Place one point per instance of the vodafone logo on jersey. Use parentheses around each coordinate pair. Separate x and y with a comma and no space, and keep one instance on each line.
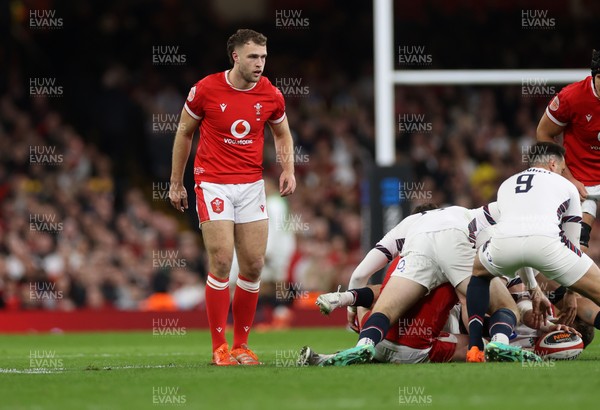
(240,128)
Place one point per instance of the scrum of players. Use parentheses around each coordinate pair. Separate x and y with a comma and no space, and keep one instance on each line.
(466,284)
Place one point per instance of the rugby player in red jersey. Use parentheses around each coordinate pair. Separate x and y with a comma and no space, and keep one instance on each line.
(231,108)
(575,112)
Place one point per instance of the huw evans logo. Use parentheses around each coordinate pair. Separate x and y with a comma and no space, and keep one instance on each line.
(537,19)
(44,359)
(45,223)
(292,87)
(43,154)
(44,291)
(44,19)
(537,87)
(45,86)
(291,19)
(414,56)
(167,55)
(411,123)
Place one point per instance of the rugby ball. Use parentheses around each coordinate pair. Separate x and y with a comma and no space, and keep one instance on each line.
(559,345)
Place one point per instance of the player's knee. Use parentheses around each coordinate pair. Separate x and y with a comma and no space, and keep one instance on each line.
(252,267)
(220,264)
(584,239)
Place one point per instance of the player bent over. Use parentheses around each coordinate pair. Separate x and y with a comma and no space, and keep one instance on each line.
(538,227)
(417,337)
(231,108)
(432,330)
(439,247)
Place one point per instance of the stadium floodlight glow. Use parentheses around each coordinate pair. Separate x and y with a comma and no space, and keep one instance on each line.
(386,78)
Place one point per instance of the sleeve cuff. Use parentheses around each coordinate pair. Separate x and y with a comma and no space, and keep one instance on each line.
(554,120)
(278,120)
(189,111)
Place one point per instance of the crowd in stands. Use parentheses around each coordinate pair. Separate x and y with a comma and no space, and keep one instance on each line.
(84,217)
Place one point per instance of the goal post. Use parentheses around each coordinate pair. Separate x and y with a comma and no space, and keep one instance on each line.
(386,78)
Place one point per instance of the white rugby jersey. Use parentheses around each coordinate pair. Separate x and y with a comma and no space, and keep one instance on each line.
(471,221)
(537,202)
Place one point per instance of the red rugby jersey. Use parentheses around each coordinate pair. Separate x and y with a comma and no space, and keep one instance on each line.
(577,108)
(232,124)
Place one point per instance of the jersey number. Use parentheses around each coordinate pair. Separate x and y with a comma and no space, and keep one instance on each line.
(524,183)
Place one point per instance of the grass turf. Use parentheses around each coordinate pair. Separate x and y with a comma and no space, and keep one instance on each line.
(138,371)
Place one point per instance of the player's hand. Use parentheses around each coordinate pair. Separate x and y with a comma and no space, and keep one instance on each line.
(551,328)
(352,322)
(583,193)
(541,307)
(287,183)
(178,196)
(568,310)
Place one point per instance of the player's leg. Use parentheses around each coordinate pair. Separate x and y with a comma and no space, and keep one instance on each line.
(586,230)
(588,285)
(363,297)
(504,316)
(218,240)
(399,295)
(250,245)
(478,302)
(589,312)
(215,212)
(588,209)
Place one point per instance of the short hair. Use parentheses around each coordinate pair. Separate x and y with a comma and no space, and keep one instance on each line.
(541,152)
(243,36)
(595,66)
(587,331)
(429,206)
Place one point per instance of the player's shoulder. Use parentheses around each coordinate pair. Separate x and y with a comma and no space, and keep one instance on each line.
(265,85)
(202,86)
(577,88)
(211,80)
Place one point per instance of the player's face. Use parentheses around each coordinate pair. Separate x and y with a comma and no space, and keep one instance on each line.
(251,60)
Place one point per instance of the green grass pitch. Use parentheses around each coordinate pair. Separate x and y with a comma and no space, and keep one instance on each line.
(139,370)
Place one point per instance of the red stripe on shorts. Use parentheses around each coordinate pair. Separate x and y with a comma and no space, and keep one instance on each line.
(201,208)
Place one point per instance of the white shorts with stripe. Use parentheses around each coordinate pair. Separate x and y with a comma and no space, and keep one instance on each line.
(434,258)
(562,262)
(240,203)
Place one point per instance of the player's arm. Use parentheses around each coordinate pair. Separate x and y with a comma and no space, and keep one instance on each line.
(548,130)
(374,261)
(284,147)
(181,152)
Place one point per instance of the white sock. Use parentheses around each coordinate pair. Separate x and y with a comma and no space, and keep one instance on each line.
(500,338)
(346,298)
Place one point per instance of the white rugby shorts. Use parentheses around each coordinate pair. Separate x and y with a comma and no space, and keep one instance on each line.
(434,258)
(559,261)
(240,203)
